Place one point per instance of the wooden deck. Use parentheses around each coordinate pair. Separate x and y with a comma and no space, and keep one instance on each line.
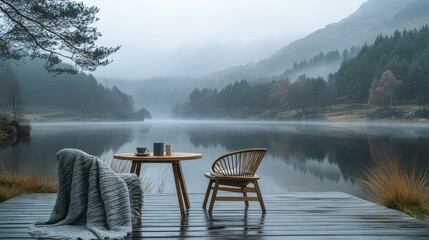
(289,216)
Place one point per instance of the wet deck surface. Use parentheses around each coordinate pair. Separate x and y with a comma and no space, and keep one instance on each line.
(289,216)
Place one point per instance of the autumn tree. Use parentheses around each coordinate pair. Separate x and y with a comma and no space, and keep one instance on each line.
(279,93)
(384,90)
(405,53)
(53,30)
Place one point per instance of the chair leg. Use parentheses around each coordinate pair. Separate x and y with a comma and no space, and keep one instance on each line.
(206,198)
(216,187)
(243,189)
(261,200)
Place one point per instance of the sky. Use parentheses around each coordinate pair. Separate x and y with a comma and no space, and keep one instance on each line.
(195,37)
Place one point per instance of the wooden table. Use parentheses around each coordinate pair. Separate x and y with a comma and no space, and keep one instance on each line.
(174,159)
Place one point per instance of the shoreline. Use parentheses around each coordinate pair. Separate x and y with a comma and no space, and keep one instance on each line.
(335,113)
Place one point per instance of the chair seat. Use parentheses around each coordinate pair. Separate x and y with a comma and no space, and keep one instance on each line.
(212,176)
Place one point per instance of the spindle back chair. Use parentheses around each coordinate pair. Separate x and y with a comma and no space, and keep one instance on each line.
(235,170)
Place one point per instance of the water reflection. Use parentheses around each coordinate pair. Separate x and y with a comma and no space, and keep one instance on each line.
(13,140)
(301,157)
(235,226)
(301,145)
(296,145)
(39,154)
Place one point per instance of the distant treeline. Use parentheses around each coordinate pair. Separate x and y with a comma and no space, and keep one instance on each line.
(28,87)
(242,99)
(395,69)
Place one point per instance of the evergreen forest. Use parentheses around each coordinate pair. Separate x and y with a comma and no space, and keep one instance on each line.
(405,54)
(394,70)
(27,88)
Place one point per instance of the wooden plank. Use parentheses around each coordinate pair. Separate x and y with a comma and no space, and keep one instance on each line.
(293,215)
(236,199)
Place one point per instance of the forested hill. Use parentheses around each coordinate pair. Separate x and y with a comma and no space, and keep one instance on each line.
(405,53)
(374,17)
(27,88)
(392,71)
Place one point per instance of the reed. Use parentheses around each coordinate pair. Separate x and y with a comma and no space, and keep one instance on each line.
(12,185)
(149,184)
(398,187)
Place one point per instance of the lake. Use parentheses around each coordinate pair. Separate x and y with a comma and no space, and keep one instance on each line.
(301,156)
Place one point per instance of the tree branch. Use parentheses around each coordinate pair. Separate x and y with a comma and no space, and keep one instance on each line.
(40,24)
(52,29)
(32,36)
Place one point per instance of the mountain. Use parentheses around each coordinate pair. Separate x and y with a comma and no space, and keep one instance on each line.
(373,17)
(394,70)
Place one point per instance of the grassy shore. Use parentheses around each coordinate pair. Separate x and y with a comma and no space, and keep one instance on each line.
(355,112)
(12,185)
(398,187)
(339,112)
(42,114)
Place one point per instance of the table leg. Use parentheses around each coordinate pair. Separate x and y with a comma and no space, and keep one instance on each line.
(183,186)
(138,168)
(178,190)
(133,167)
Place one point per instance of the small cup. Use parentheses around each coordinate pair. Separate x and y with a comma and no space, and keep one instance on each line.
(142,150)
(168,149)
(158,149)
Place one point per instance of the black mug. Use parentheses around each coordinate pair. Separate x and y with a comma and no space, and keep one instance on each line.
(158,149)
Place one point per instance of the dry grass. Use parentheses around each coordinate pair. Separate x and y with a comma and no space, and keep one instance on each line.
(348,112)
(398,187)
(149,184)
(12,185)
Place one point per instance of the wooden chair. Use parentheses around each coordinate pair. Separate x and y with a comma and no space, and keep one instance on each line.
(233,172)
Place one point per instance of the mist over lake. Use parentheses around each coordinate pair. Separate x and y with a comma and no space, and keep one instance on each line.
(328,98)
(301,156)
(111,113)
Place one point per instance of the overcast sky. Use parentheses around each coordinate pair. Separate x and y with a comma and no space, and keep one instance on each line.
(192,37)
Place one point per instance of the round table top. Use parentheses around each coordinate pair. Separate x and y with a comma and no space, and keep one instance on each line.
(175,156)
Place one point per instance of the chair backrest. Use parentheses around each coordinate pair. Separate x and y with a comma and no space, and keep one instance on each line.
(241,163)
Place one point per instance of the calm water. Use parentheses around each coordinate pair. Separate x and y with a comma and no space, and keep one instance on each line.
(301,157)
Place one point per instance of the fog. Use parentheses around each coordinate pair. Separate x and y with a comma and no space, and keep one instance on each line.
(192,37)
(189,60)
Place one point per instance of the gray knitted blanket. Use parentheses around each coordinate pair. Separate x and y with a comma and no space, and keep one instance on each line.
(92,202)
